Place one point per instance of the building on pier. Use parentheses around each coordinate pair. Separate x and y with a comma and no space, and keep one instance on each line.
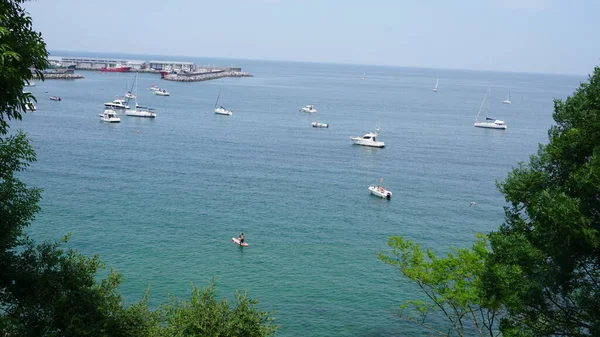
(171,65)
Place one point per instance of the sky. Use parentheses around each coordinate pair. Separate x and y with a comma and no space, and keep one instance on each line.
(539,36)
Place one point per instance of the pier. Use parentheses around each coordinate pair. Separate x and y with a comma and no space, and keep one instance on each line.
(59,74)
(181,71)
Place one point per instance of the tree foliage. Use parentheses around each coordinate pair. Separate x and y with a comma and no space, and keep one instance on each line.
(452,285)
(545,264)
(204,315)
(21,50)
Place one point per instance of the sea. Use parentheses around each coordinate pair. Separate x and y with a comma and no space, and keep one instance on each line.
(160,199)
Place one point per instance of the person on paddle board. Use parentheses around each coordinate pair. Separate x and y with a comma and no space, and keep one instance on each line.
(241,238)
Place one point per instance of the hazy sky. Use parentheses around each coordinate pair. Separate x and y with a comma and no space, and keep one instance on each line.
(550,36)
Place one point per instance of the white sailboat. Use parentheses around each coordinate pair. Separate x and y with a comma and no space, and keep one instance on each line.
(139,110)
(489,123)
(437,82)
(507,100)
(219,109)
(364,77)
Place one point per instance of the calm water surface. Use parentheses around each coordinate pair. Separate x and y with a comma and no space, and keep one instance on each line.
(160,199)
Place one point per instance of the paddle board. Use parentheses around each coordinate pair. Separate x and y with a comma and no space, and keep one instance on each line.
(236,240)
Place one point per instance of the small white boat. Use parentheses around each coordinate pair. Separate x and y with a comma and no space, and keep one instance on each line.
(370,139)
(29,106)
(117,104)
(109,116)
(380,191)
(221,110)
(437,82)
(507,100)
(319,125)
(309,108)
(154,88)
(489,123)
(129,95)
(29,84)
(162,92)
(55,98)
(364,77)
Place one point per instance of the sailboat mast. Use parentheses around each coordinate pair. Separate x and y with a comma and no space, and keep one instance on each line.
(482,103)
(218,96)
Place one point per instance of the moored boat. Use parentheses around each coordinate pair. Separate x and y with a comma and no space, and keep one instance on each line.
(369,139)
(117,104)
(309,108)
(55,98)
(489,123)
(380,191)
(162,92)
(118,68)
(109,116)
(319,125)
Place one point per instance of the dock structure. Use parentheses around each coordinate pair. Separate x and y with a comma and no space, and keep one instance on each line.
(169,70)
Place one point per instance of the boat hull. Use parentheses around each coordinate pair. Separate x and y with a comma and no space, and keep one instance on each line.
(308,110)
(487,125)
(364,142)
(380,192)
(506,102)
(224,112)
(112,106)
(115,70)
(141,114)
(319,125)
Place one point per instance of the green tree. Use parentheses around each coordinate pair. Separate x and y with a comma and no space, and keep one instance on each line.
(203,315)
(451,284)
(21,50)
(545,265)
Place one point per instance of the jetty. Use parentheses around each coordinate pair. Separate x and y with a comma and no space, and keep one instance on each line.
(204,76)
(181,71)
(59,74)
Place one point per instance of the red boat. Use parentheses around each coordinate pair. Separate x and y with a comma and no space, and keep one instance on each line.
(116,69)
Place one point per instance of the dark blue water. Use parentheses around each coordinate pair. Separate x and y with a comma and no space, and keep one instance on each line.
(160,199)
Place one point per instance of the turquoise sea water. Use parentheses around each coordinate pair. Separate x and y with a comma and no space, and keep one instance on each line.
(160,199)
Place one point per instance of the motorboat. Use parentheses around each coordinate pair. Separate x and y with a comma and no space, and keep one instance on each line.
(369,139)
(117,104)
(222,111)
(154,88)
(141,111)
(129,95)
(319,125)
(380,191)
(29,106)
(55,98)
(162,92)
(489,123)
(109,116)
(309,108)
(29,84)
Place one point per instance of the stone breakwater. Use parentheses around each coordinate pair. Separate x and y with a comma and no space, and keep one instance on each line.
(204,76)
(51,76)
